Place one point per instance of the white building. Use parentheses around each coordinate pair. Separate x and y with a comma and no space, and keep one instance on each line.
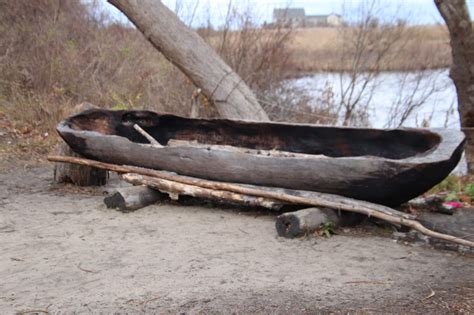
(297,17)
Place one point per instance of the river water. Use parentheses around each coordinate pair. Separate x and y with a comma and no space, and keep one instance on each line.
(433,91)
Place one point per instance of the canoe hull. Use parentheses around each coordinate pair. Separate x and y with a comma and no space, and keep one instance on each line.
(380,180)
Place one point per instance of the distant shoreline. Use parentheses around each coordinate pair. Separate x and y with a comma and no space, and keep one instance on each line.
(302,74)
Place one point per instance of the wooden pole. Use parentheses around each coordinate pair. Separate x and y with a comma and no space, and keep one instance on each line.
(155,178)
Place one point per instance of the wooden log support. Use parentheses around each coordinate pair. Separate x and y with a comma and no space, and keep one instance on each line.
(80,175)
(152,178)
(171,187)
(128,199)
(77,174)
(305,221)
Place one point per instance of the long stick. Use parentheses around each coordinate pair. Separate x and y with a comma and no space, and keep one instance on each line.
(324,200)
(183,188)
(292,196)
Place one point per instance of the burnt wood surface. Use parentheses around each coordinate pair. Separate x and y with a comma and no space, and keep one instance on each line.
(382,166)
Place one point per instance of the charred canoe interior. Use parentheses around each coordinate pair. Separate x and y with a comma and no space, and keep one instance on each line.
(331,142)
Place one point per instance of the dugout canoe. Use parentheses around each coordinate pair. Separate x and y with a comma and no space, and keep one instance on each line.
(383,166)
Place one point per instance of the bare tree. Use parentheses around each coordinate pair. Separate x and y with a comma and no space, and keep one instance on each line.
(366,45)
(458,21)
(413,91)
(368,48)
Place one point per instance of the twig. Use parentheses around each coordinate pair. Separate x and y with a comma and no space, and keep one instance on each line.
(430,295)
(147,136)
(150,300)
(366,282)
(86,270)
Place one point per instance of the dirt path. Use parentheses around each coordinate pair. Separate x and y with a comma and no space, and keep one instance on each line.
(64,251)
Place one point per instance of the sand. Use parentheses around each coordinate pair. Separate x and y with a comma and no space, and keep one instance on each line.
(64,251)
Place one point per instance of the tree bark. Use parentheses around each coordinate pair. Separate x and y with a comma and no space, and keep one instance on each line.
(190,53)
(458,21)
(132,198)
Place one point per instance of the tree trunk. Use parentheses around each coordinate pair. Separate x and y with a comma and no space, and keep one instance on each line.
(190,53)
(458,21)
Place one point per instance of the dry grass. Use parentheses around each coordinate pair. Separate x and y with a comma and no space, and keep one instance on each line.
(319,49)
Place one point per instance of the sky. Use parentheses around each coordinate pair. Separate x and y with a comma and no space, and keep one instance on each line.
(413,11)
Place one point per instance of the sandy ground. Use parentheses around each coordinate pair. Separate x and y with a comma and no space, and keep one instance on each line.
(63,251)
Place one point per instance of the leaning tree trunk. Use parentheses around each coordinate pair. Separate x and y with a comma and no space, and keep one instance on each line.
(190,53)
(458,21)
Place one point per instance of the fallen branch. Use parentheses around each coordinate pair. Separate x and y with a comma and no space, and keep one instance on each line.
(284,195)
